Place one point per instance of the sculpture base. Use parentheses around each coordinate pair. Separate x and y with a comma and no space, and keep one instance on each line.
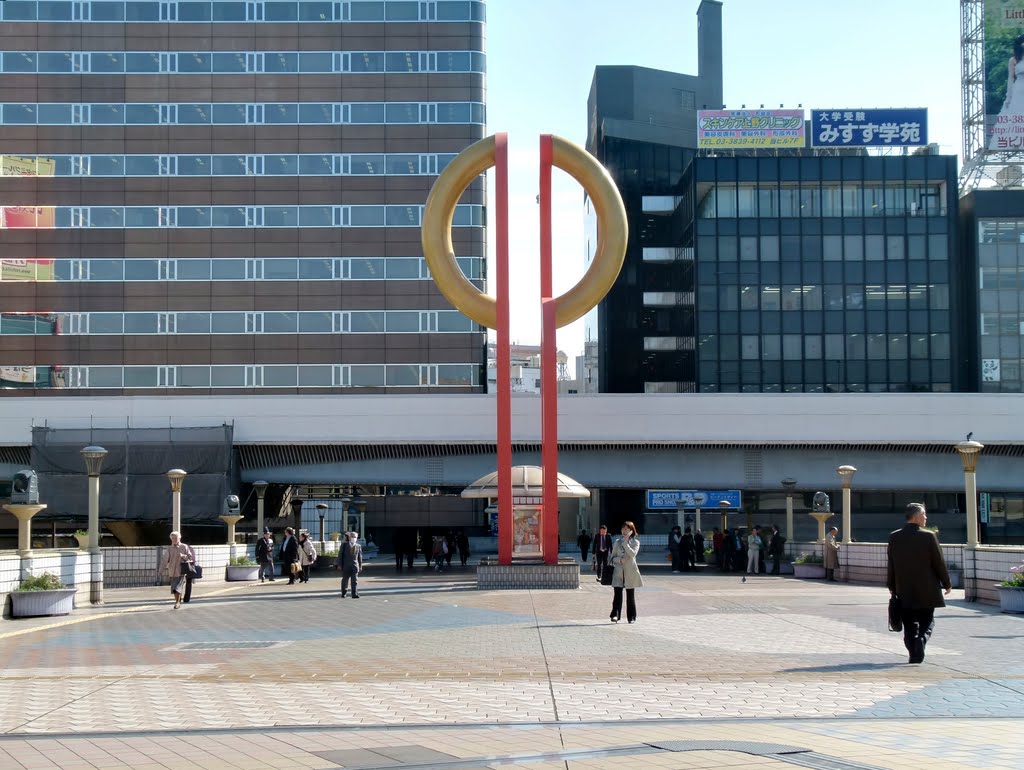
(527,574)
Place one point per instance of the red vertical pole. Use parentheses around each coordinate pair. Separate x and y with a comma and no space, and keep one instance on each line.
(548,365)
(504,352)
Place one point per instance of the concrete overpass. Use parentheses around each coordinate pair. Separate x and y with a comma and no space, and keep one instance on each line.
(744,441)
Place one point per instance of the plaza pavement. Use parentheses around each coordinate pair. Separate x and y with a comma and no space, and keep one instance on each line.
(426,671)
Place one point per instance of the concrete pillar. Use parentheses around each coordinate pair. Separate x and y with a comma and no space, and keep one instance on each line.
(24,512)
(231,521)
(261,492)
(176,476)
(846,475)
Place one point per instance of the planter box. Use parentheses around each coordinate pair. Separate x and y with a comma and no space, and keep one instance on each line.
(31,604)
(83,542)
(1011,599)
(956,578)
(812,571)
(237,574)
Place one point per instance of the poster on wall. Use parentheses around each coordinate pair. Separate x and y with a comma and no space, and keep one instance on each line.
(1004,74)
(750,129)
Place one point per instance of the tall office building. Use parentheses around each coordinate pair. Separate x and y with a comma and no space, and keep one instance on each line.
(643,128)
(822,274)
(993,246)
(225,197)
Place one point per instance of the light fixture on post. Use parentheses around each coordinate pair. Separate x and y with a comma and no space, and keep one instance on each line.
(346,501)
(321,510)
(969,451)
(296,504)
(176,476)
(846,475)
(789,485)
(94,457)
(723,506)
(261,492)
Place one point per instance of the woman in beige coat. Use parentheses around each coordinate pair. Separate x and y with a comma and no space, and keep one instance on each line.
(626,574)
(178,554)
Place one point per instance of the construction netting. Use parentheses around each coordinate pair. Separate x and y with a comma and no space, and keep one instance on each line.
(133,481)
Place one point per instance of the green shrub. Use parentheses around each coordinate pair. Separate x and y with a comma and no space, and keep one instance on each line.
(82,532)
(808,558)
(242,561)
(45,582)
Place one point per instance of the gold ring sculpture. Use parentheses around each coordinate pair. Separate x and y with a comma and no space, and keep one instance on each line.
(612,232)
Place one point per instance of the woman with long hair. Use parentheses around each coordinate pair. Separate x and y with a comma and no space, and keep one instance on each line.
(1013,105)
(626,573)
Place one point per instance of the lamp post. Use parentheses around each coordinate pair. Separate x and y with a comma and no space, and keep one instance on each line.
(789,485)
(261,491)
(296,504)
(846,475)
(94,457)
(969,451)
(723,506)
(321,510)
(346,501)
(176,476)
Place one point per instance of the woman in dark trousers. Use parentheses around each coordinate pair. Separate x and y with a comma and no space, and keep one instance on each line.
(626,576)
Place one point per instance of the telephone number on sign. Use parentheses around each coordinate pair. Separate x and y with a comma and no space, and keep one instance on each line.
(1010,119)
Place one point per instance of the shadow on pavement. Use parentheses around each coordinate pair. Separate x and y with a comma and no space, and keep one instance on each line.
(839,668)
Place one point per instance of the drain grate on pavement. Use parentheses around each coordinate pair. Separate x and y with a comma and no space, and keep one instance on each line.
(217,646)
(742,747)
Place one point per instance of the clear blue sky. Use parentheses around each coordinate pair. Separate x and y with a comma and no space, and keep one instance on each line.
(819,53)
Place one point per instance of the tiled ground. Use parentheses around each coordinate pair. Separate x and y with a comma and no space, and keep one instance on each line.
(426,667)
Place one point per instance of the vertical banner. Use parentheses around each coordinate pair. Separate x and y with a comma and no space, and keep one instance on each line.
(1004,74)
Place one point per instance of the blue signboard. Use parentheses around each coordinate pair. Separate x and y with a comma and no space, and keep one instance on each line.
(667,499)
(869,128)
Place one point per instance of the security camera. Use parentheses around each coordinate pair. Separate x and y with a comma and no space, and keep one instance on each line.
(25,488)
(233,504)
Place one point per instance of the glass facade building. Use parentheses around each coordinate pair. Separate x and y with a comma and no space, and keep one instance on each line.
(236,208)
(993,242)
(823,274)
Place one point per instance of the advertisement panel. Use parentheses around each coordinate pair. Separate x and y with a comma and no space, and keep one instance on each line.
(26,269)
(27,217)
(1004,74)
(869,128)
(16,165)
(667,499)
(750,129)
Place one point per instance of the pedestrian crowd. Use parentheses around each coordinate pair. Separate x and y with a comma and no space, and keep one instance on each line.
(917,573)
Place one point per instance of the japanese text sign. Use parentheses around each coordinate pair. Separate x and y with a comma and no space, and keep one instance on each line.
(869,128)
(750,129)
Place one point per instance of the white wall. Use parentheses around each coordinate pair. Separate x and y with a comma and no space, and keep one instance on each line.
(705,418)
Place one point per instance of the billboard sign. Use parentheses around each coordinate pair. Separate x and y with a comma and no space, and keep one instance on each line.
(1004,74)
(869,128)
(750,129)
(669,499)
(984,510)
(26,269)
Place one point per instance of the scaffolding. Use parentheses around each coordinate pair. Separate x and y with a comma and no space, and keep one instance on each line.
(983,168)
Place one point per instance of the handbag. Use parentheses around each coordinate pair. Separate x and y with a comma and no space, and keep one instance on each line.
(606,574)
(895,614)
(296,568)
(189,568)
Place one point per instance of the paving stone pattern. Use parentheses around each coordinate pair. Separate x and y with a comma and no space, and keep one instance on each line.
(426,650)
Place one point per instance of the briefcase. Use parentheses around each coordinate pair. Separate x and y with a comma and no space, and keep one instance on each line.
(895,614)
(606,574)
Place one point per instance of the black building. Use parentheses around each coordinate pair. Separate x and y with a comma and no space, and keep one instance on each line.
(992,224)
(643,128)
(820,274)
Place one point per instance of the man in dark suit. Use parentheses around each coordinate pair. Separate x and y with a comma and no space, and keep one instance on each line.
(917,575)
(602,549)
(350,562)
(289,554)
(265,556)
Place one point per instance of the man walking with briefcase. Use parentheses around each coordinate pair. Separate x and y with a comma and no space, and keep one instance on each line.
(917,575)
